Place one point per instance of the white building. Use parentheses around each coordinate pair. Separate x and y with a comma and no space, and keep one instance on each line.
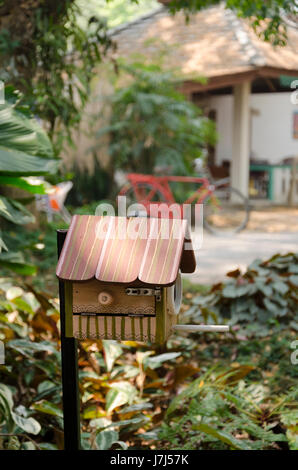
(248,90)
(271,126)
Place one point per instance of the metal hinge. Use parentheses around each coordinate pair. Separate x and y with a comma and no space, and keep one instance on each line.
(144,291)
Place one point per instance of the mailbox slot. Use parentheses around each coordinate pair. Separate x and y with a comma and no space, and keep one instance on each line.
(85,299)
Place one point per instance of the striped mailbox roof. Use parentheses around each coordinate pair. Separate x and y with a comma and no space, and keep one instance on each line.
(120,249)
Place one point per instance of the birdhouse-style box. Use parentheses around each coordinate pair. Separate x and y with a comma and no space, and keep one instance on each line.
(122,276)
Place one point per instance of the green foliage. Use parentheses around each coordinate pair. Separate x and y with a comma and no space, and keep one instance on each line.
(290,420)
(105,440)
(152,123)
(262,300)
(15,421)
(115,12)
(222,391)
(25,150)
(15,261)
(203,415)
(89,186)
(132,395)
(17,412)
(37,248)
(51,59)
(20,132)
(276,13)
(52,54)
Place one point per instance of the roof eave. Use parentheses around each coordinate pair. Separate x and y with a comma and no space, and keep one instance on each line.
(221,81)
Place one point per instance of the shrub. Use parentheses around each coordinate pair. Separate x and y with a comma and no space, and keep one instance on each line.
(153,124)
(258,302)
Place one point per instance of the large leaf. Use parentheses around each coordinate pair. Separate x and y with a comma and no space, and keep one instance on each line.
(105,439)
(114,399)
(18,163)
(156,361)
(15,212)
(6,406)
(15,262)
(19,132)
(120,394)
(271,307)
(48,408)
(112,350)
(25,148)
(2,245)
(234,375)
(29,425)
(221,436)
(47,446)
(294,280)
(6,401)
(28,348)
(129,422)
(26,184)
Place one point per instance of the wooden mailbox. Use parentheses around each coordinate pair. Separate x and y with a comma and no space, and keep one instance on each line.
(122,276)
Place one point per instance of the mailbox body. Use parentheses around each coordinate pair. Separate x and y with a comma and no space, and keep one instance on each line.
(144,318)
(136,275)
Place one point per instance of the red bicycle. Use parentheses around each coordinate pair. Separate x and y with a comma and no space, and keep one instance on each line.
(226,210)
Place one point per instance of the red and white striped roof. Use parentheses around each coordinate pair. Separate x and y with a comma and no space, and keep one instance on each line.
(120,249)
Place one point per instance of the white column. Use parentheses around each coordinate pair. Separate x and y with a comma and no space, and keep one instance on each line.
(241,138)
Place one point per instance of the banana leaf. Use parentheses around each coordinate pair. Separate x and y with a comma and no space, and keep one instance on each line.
(23,183)
(15,212)
(17,163)
(25,148)
(20,132)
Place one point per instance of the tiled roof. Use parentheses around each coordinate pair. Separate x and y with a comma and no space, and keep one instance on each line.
(214,42)
(120,249)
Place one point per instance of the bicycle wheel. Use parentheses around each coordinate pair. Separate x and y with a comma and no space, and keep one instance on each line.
(226,211)
(141,193)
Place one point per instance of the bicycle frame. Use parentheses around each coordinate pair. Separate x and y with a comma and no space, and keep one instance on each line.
(161,184)
(155,195)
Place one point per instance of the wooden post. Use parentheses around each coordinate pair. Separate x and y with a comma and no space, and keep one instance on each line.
(293,182)
(241,138)
(70,381)
(160,328)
